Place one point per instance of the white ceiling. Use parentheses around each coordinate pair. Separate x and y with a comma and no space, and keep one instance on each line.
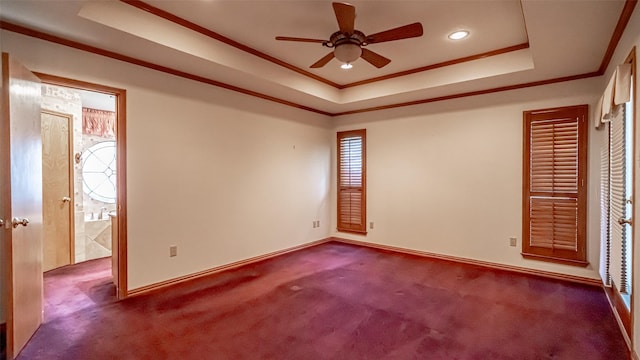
(98,101)
(565,37)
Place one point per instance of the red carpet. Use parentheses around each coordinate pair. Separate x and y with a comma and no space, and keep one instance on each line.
(332,301)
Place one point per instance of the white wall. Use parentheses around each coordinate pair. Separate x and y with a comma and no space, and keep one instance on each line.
(629,40)
(222,175)
(446,177)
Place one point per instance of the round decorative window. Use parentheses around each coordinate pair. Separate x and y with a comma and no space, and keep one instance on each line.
(99,171)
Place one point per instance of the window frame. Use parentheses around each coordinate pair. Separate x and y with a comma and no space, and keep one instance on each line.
(343,226)
(569,257)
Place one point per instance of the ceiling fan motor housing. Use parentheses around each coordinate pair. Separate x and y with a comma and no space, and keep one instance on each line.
(339,38)
(347,47)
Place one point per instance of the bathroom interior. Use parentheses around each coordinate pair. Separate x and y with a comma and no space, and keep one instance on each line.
(93,148)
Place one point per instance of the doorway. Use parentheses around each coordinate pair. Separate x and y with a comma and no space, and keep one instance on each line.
(21,200)
(80,174)
(98,156)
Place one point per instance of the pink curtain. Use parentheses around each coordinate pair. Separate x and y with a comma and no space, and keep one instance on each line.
(98,122)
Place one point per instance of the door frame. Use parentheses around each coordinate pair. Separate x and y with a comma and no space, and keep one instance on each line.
(72,235)
(631,59)
(121,176)
(622,311)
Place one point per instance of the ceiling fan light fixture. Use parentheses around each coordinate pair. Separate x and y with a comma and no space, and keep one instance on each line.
(346,66)
(458,35)
(347,53)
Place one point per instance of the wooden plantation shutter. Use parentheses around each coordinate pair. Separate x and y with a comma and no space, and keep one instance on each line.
(554,189)
(352,181)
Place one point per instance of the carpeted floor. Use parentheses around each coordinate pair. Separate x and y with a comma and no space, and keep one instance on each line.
(332,301)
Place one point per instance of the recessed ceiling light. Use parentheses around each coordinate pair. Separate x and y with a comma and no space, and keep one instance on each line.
(458,35)
(346,66)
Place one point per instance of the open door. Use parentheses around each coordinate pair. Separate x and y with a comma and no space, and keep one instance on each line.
(20,203)
(57,190)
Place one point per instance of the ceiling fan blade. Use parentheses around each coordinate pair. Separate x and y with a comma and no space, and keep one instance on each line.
(346,16)
(288,38)
(402,32)
(322,62)
(374,59)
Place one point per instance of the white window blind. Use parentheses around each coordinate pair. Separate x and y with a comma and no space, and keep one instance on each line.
(605,236)
(618,199)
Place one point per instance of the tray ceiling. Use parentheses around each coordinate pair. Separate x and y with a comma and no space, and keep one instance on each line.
(233,42)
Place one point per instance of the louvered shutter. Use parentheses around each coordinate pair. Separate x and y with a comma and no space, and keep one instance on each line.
(351,181)
(554,195)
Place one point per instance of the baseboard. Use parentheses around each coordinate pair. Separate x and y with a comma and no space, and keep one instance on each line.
(620,312)
(487,264)
(218,269)
(612,294)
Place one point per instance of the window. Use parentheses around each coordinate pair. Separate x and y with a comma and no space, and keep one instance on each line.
(352,199)
(616,126)
(99,171)
(555,185)
(616,193)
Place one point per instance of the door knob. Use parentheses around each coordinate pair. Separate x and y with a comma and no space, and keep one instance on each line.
(66,199)
(17,221)
(1,223)
(623,221)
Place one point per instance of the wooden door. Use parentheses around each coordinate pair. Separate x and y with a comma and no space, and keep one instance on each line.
(57,190)
(21,203)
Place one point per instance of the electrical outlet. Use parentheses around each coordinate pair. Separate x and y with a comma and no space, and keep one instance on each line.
(371,225)
(173,250)
(317,223)
(513,241)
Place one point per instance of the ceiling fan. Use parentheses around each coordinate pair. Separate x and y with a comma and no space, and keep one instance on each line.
(348,43)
